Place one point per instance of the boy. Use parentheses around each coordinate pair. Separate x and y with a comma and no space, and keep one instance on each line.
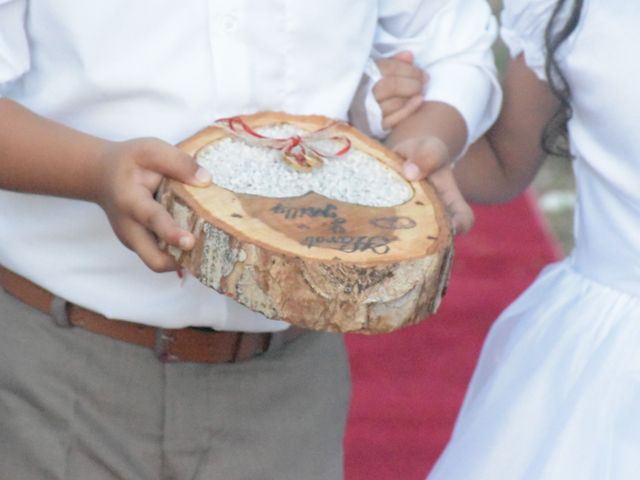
(86,85)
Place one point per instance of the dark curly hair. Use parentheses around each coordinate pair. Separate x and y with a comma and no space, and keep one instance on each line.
(555,35)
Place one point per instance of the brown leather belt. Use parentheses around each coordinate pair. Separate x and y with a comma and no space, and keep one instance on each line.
(193,344)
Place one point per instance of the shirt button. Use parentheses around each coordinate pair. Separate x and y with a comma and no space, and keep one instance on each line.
(229,23)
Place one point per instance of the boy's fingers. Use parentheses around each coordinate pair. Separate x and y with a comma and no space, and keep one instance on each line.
(422,156)
(141,241)
(395,86)
(171,162)
(461,214)
(158,221)
(405,110)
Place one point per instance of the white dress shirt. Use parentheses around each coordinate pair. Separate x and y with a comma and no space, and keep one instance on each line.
(123,69)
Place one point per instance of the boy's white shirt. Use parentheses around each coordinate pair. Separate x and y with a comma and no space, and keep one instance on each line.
(123,69)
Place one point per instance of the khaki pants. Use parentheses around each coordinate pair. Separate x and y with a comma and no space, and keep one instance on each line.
(78,406)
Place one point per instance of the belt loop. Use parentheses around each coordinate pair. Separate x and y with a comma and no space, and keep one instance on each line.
(59,312)
(276,341)
(237,347)
(162,346)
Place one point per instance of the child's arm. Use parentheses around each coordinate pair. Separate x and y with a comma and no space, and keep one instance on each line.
(399,94)
(501,166)
(44,157)
(423,132)
(429,139)
(450,40)
(430,133)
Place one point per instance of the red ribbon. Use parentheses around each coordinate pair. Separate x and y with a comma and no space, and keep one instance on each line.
(297,149)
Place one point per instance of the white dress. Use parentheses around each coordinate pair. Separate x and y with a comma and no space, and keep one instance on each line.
(556,394)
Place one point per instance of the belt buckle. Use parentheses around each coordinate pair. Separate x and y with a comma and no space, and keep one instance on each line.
(162,346)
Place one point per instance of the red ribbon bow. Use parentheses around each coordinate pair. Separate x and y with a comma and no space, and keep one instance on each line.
(297,150)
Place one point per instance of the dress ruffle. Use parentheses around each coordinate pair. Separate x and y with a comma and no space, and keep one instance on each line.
(557,388)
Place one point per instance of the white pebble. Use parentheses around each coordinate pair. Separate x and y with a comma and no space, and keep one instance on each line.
(353,178)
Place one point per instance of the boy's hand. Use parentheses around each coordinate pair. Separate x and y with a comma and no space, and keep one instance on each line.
(400,90)
(132,173)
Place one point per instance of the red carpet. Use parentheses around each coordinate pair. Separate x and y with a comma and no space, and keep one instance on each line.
(408,385)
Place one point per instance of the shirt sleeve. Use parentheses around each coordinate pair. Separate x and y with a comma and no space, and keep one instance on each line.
(365,113)
(14,44)
(523,27)
(451,40)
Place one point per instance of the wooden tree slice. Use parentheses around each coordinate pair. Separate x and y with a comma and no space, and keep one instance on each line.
(318,262)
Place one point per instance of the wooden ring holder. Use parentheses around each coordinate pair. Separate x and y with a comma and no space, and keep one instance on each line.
(312,261)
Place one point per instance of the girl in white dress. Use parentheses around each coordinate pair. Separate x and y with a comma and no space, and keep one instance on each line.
(556,394)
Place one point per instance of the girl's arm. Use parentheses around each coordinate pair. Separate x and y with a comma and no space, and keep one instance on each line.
(504,163)
(43,157)
(428,140)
